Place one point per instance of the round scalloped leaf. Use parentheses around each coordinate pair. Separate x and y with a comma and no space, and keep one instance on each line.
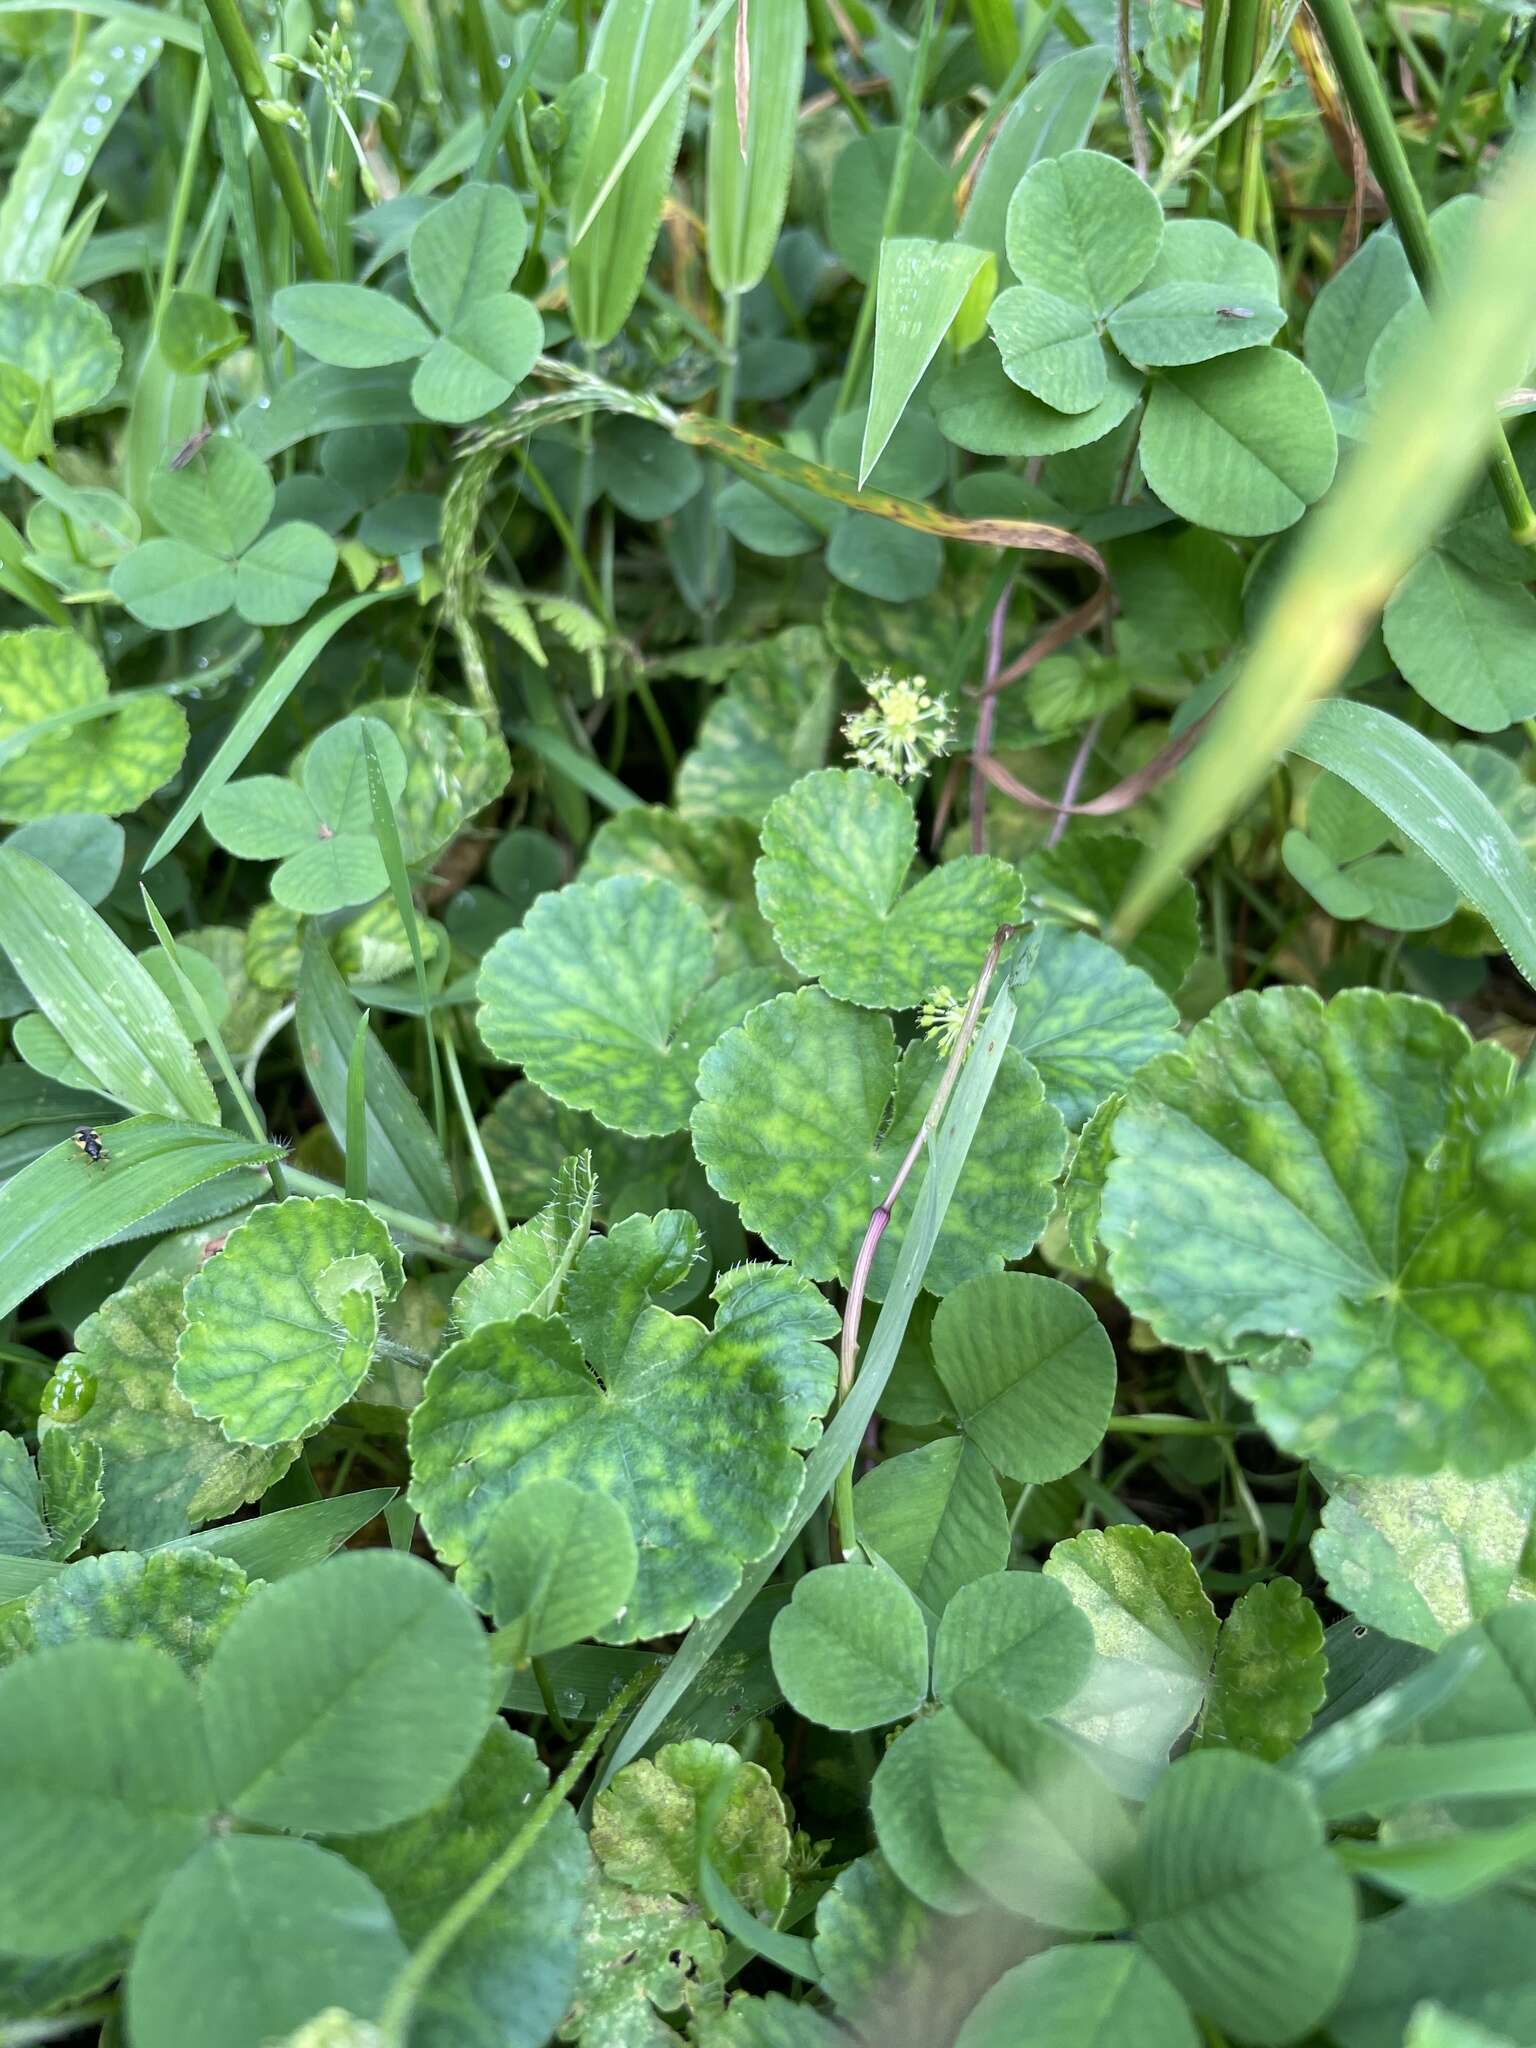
(281,1324)
(1081,881)
(106,765)
(851,1648)
(1087,1020)
(805,1112)
(1238,1899)
(1082,1995)
(1030,1372)
(181,1601)
(710,862)
(604,996)
(1422,1559)
(695,1433)
(769,726)
(1270,1672)
(1463,642)
(645,1825)
(164,1469)
(456,763)
(1084,227)
(836,851)
(60,339)
(1307,1174)
(1242,444)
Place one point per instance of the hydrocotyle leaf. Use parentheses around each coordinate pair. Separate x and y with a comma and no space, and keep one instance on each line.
(805,1112)
(1383,1306)
(836,852)
(1088,1020)
(605,996)
(281,1324)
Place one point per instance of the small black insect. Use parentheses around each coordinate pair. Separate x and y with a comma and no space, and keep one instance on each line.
(1234,312)
(188,449)
(90,1144)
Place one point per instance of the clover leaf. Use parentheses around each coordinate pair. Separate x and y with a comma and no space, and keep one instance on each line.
(695,1432)
(218,552)
(850,1649)
(103,765)
(463,257)
(1299,1187)
(281,1325)
(1339,861)
(836,851)
(562,1562)
(320,826)
(58,356)
(1082,1995)
(805,1110)
(605,995)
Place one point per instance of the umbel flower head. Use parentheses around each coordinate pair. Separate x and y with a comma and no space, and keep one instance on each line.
(902,730)
(941,1015)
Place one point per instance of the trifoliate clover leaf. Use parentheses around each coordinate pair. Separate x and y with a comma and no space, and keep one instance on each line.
(510,1975)
(1050,346)
(695,1433)
(1087,1020)
(1155,1632)
(1422,1559)
(164,1469)
(321,826)
(804,1113)
(1270,1673)
(181,1601)
(1018,1633)
(281,1324)
(605,996)
(214,554)
(836,851)
(645,1826)
(463,256)
(105,765)
(58,355)
(936,1517)
(1300,1187)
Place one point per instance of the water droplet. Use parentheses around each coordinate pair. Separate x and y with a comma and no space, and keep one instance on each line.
(503,62)
(116,53)
(202,661)
(98,77)
(138,53)
(263,402)
(73,164)
(103,102)
(91,125)
(69,1394)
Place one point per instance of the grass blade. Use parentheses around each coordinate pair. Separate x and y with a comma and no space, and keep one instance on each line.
(356,1162)
(61,1207)
(1439,807)
(103,1002)
(406,1168)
